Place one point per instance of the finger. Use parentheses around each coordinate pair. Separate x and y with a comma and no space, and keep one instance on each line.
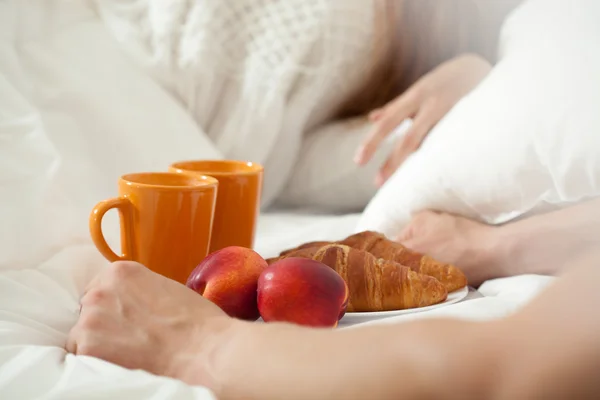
(389,121)
(417,221)
(406,146)
(97,299)
(405,235)
(389,118)
(375,114)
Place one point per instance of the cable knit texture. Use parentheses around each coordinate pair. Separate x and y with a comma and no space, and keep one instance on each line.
(255,74)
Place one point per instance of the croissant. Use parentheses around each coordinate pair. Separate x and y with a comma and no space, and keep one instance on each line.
(376,284)
(381,247)
(378,245)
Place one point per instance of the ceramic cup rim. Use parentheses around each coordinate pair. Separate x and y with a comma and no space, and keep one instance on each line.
(199,182)
(246,167)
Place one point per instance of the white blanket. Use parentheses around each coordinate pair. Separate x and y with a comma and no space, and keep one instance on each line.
(39,305)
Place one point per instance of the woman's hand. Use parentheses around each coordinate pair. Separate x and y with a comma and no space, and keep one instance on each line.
(138,319)
(426,102)
(477,249)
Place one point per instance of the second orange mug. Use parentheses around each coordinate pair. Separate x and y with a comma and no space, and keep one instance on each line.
(166,221)
(238,200)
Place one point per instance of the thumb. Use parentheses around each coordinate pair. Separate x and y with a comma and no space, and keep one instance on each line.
(405,236)
(420,228)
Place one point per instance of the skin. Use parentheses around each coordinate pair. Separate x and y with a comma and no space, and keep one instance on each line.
(432,96)
(543,244)
(426,102)
(138,319)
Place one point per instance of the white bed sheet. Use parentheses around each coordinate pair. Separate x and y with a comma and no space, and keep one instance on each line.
(39,306)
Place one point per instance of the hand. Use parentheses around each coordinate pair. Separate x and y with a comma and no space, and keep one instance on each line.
(470,245)
(138,319)
(426,102)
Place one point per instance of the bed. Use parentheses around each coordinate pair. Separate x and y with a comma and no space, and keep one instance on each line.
(46,258)
(39,305)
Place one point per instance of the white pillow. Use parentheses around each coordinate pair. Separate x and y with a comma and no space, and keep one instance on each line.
(525,141)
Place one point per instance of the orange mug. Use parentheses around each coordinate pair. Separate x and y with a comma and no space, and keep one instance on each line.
(238,200)
(166,221)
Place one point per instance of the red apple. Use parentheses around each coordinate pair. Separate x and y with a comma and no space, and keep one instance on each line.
(302,291)
(228,277)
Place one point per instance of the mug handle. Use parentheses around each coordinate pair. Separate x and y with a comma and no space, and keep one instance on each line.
(123,205)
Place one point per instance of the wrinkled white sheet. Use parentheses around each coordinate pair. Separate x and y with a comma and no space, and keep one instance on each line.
(39,305)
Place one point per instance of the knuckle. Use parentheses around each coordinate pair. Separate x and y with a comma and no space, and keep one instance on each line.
(386,125)
(91,322)
(125,269)
(379,127)
(95,296)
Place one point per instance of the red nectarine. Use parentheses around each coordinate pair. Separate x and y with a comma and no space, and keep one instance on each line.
(228,277)
(302,291)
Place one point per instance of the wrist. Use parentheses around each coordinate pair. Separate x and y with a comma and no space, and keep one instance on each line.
(198,361)
(508,243)
(491,256)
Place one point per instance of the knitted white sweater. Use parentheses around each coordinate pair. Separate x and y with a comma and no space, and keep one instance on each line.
(255,74)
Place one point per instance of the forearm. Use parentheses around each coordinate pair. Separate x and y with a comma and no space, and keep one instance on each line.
(409,361)
(551,345)
(548,244)
(551,341)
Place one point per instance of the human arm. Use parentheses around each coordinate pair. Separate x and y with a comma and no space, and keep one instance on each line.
(426,102)
(549,349)
(552,349)
(138,319)
(456,48)
(542,244)
(549,243)
(275,361)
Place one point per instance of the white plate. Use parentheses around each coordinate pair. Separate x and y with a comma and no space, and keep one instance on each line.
(453,297)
